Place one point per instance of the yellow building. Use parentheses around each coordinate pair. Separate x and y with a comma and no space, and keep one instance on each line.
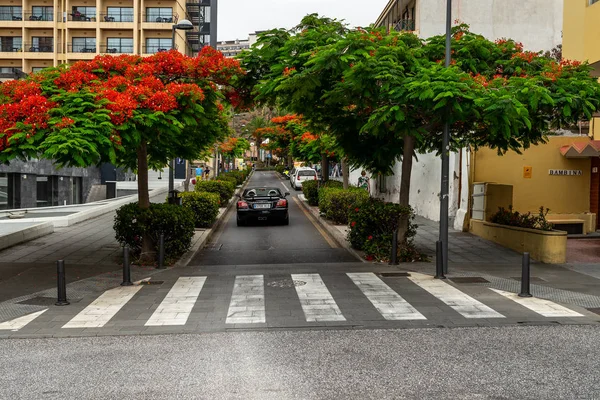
(42,33)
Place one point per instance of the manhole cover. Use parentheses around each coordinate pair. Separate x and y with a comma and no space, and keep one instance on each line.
(152,282)
(285,283)
(394,274)
(470,279)
(594,310)
(531,279)
(44,301)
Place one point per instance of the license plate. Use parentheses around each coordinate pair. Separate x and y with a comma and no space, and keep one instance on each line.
(265,205)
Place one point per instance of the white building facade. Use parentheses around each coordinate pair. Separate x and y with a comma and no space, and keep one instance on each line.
(535,23)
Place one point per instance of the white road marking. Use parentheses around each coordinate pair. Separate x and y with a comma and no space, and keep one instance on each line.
(18,323)
(543,307)
(389,303)
(316,301)
(285,187)
(465,305)
(247,304)
(176,307)
(97,314)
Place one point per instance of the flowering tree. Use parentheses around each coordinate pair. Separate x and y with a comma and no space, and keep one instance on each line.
(234,147)
(134,112)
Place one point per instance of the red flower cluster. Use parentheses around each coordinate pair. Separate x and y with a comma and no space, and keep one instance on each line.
(287,71)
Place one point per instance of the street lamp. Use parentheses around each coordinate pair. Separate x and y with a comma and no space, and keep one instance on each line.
(183,25)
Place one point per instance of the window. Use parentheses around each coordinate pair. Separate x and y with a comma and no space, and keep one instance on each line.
(593,1)
(154,45)
(159,14)
(381,183)
(84,45)
(41,43)
(9,191)
(11,43)
(37,69)
(10,13)
(76,190)
(9,71)
(83,13)
(119,45)
(119,14)
(39,13)
(47,191)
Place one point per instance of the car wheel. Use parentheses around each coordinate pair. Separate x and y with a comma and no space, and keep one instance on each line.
(241,222)
(285,221)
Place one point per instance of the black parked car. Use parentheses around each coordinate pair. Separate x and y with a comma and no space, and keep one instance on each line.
(261,204)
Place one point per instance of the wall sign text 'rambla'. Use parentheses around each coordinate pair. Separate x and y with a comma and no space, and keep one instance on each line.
(566,172)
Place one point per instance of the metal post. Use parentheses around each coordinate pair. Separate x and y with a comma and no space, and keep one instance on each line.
(126,268)
(171,175)
(446,156)
(161,251)
(439,267)
(61,283)
(394,258)
(173,37)
(525,277)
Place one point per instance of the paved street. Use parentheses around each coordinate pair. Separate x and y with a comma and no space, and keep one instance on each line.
(531,363)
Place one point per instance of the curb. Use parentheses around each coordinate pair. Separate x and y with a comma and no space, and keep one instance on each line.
(338,236)
(205,235)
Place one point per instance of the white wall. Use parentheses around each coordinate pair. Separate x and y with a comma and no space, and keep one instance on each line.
(535,23)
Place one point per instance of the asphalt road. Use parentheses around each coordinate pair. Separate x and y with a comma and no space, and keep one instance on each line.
(268,243)
(473,363)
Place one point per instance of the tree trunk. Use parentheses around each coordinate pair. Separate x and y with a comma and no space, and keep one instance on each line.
(147,254)
(188,176)
(290,161)
(325,167)
(407,162)
(345,173)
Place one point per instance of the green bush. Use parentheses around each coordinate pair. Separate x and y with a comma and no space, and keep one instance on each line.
(224,189)
(280,168)
(226,178)
(514,218)
(372,226)
(335,203)
(204,206)
(311,189)
(175,222)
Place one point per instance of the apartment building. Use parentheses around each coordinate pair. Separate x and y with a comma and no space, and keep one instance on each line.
(41,33)
(231,48)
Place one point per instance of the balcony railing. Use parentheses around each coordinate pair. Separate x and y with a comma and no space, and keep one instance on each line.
(156,49)
(11,17)
(116,49)
(12,73)
(160,19)
(37,48)
(80,48)
(112,17)
(81,17)
(11,48)
(30,16)
(405,25)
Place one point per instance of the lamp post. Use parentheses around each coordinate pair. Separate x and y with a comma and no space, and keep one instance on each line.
(445,156)
(184,25)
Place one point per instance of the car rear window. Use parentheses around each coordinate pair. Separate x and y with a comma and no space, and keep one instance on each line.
(307,173)
(263,192)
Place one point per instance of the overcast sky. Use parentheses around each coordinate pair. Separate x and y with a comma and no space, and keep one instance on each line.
(238,18)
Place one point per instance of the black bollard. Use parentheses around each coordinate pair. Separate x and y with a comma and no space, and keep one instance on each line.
(525,277)
(161,251)
(394,257)
(126,268)
(61,283)
(439,265)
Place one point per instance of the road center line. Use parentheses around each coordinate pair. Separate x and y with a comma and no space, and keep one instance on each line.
(177,306)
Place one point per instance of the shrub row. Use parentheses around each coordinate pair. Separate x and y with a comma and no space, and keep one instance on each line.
(224,189)
(311,189)
(174,222)
(204,206)
(336,203)
(514,218)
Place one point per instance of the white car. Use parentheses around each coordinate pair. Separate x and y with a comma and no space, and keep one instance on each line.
(301,175)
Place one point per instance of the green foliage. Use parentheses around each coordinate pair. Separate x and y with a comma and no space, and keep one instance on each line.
(336,203)
(514,218)
(311,189)
(225,177)
(280,168)
(175,222)
(204,206)
(224,189)
(372,227)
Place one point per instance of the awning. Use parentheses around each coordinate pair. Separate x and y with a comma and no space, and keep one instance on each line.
(581,149)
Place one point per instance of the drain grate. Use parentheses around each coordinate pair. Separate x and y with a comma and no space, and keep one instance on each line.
(594,310)
(469,279)
(44,301)
(393,274)
(152,282)
(531,279)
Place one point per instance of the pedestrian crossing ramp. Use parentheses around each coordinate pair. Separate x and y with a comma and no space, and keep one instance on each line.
(312,299)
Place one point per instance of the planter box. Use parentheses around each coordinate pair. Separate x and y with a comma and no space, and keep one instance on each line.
(546,246)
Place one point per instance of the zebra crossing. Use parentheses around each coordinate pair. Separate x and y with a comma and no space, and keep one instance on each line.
(248,303)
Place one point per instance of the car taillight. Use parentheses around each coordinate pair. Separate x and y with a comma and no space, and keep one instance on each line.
(315,177)
(282,203)
(242,204)
(298,177)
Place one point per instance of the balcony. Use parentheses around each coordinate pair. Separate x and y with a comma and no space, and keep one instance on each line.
(79,48)
(115,18)
(116,49)
(37,48)
(11,48)
(30,16)
(405,25)
(74,17)
(155,49)
(11,73)
(160,19)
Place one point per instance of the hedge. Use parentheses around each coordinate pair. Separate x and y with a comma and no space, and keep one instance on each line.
(335,203)
(224,189)
(204,206)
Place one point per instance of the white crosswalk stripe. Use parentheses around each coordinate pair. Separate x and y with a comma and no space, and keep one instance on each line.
(21,322)
(465,305)
(316,300)
(543,307)
(389,303)
(176,307)
(97,314)
(247,305)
